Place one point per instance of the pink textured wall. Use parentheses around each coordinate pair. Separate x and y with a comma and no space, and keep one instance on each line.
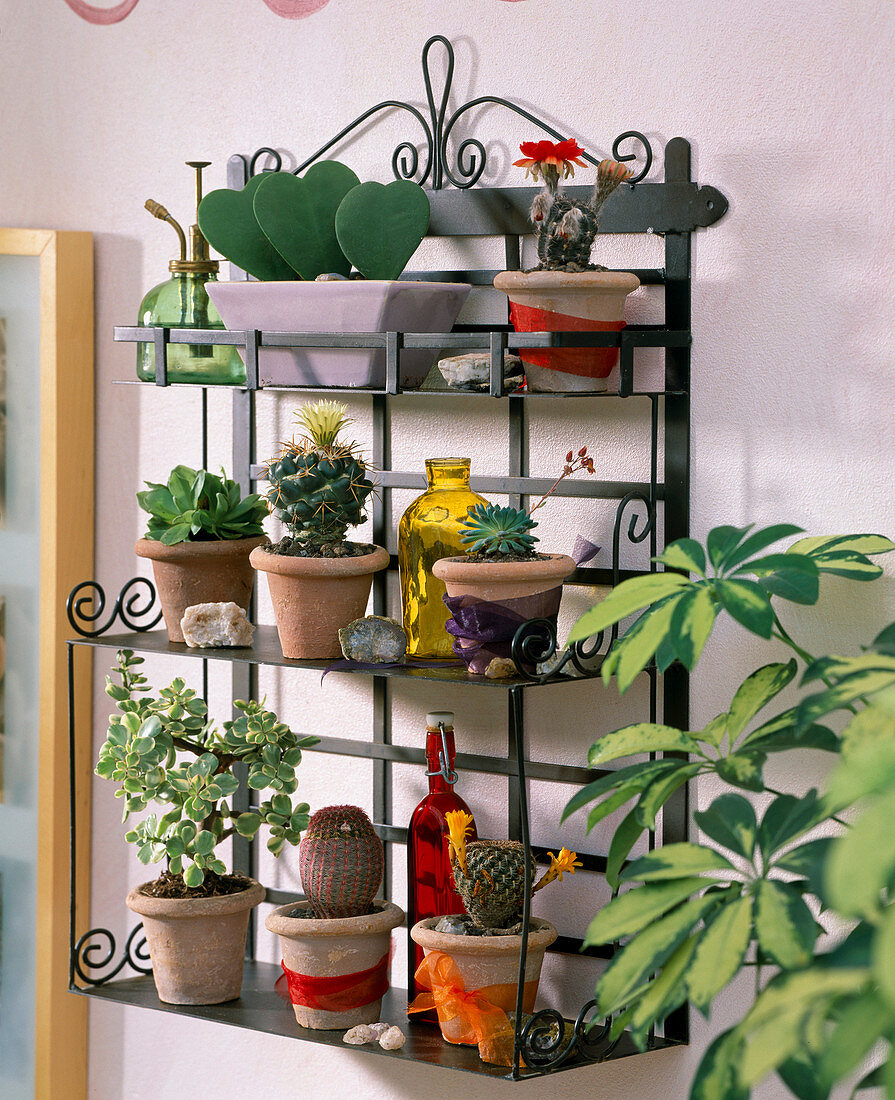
(793,376)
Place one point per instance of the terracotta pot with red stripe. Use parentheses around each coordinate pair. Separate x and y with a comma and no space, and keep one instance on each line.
(337,968)
(559,301)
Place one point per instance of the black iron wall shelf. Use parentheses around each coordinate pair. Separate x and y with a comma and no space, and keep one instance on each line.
(673,209)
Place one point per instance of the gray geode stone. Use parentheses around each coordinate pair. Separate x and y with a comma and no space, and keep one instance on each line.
(373,640)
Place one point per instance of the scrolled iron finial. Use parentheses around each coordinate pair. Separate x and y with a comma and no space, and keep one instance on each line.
(646,153)
(86,603)
(95,950)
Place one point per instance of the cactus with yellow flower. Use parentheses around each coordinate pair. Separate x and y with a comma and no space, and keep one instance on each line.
(489,874)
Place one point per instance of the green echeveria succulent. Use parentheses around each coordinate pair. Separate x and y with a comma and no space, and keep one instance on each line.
(319,486)
(498,532)
(198,506)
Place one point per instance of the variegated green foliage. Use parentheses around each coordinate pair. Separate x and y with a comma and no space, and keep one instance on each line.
(726,746)
(166,751)
(753,891)
(817,1024)
(733,574)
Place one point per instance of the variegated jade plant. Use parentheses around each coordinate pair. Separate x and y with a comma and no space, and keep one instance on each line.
(166,752)
(759,889)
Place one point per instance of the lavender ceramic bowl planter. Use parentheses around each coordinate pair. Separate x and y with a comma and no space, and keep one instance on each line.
(342,305)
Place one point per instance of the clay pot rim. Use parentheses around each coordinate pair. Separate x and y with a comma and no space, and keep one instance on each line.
(553,280)
(288,566)
(215,548)
(382,920)
(541,934)
(460,568)
(186,908)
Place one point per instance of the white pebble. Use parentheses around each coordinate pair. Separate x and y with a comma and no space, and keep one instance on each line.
(360,1034)
(393,1039)
(380,1028)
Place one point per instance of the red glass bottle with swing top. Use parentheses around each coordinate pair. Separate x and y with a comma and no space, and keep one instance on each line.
(430,883)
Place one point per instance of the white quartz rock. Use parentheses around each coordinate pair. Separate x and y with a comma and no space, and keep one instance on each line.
(215,625)
(380,1028)
(393,1039)
(359,1034)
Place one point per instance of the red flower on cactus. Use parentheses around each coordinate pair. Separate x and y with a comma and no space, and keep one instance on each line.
(543,156)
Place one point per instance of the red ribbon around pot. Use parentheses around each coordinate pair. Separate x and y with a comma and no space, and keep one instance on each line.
(340,993)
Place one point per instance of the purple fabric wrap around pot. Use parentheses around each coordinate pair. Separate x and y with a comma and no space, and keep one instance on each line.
(488,629)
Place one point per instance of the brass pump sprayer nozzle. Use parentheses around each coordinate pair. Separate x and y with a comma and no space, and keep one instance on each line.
(158,211)
(194,257)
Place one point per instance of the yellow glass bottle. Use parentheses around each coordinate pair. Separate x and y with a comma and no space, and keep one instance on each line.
(429,530)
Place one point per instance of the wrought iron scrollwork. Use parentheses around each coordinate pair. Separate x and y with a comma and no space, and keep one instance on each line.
(635,535)
(95,950)
(547,1043)
(536,651)
(136,601)
(470,156)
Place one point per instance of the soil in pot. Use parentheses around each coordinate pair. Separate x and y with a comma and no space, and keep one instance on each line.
(337,969)
(313,596)
(188,573)
(197,944)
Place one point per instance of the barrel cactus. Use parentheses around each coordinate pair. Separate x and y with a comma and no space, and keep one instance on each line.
(319,485)
(566,228)
(489,874)
(340,860)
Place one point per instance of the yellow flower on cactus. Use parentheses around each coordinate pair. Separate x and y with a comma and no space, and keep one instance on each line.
(565,861)
(559,865)
(458,823)
(323,420)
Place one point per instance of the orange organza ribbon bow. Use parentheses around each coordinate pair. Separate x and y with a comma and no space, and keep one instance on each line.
(466,1017)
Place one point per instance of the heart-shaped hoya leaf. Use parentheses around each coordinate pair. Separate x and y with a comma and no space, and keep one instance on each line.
(380,226)
(228,221)
(298,215)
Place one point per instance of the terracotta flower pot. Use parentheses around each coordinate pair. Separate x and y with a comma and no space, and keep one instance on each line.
(199,572)
(197,945)
(313,597)
(491,963)
(559,301)
(502,580)
(513,586)
(339,966)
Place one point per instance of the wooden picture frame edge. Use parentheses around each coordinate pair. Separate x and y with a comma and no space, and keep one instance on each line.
(66,557)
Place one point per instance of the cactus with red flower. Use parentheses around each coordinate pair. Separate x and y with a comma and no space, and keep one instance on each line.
(566,228)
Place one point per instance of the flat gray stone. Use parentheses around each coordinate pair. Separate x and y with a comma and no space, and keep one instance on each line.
(473,371)
(373,640)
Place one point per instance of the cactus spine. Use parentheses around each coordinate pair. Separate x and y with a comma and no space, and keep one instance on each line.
(340,860)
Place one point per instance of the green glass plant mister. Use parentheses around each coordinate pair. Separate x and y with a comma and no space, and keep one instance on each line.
(182,302)
(429,530)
